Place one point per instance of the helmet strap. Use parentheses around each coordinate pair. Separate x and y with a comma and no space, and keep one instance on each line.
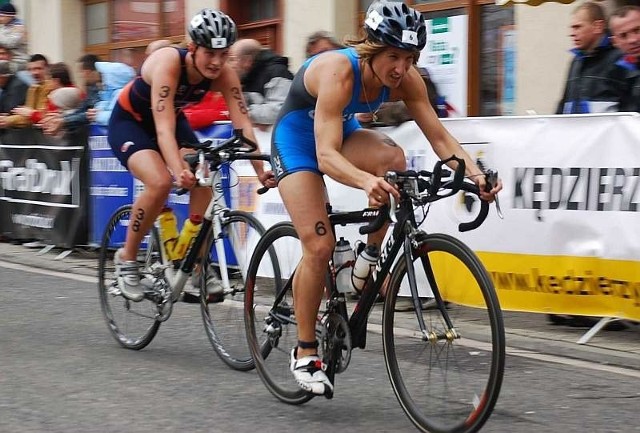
(370,63)
(193,60)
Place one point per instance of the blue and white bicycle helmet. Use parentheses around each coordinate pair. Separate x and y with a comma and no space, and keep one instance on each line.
(396,24)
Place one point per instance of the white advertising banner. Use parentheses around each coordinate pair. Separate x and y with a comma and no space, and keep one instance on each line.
(570,238)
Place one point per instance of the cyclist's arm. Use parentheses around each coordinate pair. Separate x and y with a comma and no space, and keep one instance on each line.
(331,78)
(229,85)
(162,70)
(414,93)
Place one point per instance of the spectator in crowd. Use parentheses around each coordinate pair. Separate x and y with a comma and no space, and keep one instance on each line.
(321,41)
(36,102)
(624,24)
(63,102)
(595,83)
(59,78)
(13,36)
(85,112)
(114,77)
(7,54)
(265,79)
(14,91)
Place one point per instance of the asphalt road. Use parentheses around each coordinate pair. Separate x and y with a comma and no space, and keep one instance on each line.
(61,371)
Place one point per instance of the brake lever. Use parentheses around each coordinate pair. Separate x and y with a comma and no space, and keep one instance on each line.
(491,177)
(392,178)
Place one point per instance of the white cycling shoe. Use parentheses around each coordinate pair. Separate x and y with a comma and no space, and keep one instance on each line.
(215,291)
(309,373)
(128,276)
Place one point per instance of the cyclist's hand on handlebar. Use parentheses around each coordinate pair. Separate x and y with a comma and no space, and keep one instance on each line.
(378,191)
(268,179)
(488,186)
(185,179)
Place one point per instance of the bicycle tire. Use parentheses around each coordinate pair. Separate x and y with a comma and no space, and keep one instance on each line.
(132,324)
(450,384)
(224,317)
(271,329)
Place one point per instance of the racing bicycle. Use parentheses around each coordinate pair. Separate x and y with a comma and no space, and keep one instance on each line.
(445,362)
(226,237)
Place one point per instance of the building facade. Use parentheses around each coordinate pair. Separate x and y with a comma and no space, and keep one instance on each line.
(489,59)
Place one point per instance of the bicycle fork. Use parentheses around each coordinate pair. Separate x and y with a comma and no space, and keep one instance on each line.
(450,332)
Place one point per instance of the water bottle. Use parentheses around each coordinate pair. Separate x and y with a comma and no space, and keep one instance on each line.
(363,266)
(343,257)
(168,230)
(187,235)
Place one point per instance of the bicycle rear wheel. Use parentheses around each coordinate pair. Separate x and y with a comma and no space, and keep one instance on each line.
(270,325)
(224,317)
(448,380)
(132,324)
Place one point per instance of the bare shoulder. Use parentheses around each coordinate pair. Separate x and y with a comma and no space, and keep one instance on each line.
(329,68)
(162,62)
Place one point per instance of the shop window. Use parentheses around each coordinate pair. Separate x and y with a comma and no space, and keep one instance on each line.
(97,23)
(257,19)
(262,9)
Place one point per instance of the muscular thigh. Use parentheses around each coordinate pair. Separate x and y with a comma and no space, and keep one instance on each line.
(304,196)
(149,167)
(373,152)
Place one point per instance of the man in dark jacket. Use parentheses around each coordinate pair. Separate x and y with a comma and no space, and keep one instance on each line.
(625,34)
(265,78)
(14,91)
(595,83)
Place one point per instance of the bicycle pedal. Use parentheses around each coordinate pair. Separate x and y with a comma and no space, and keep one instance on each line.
(190,298)
(215,298)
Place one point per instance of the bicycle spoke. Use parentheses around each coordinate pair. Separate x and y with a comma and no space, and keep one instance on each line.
(224,316)
(449,382)
(132,324)
(270,320)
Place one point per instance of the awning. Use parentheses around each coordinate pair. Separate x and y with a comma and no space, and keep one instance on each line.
(531,2)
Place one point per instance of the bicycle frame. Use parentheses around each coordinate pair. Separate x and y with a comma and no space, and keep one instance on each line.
(403,236)
(177,274)
(359,318)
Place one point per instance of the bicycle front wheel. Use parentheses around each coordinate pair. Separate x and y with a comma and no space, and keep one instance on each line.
(132,324)
(448,378)
(224,316)
(269,314)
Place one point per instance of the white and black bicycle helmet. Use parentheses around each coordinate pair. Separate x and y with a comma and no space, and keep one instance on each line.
(395,24)
(212,29)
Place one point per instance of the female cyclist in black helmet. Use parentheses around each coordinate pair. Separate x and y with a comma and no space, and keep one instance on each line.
(316,134)
(147,125)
